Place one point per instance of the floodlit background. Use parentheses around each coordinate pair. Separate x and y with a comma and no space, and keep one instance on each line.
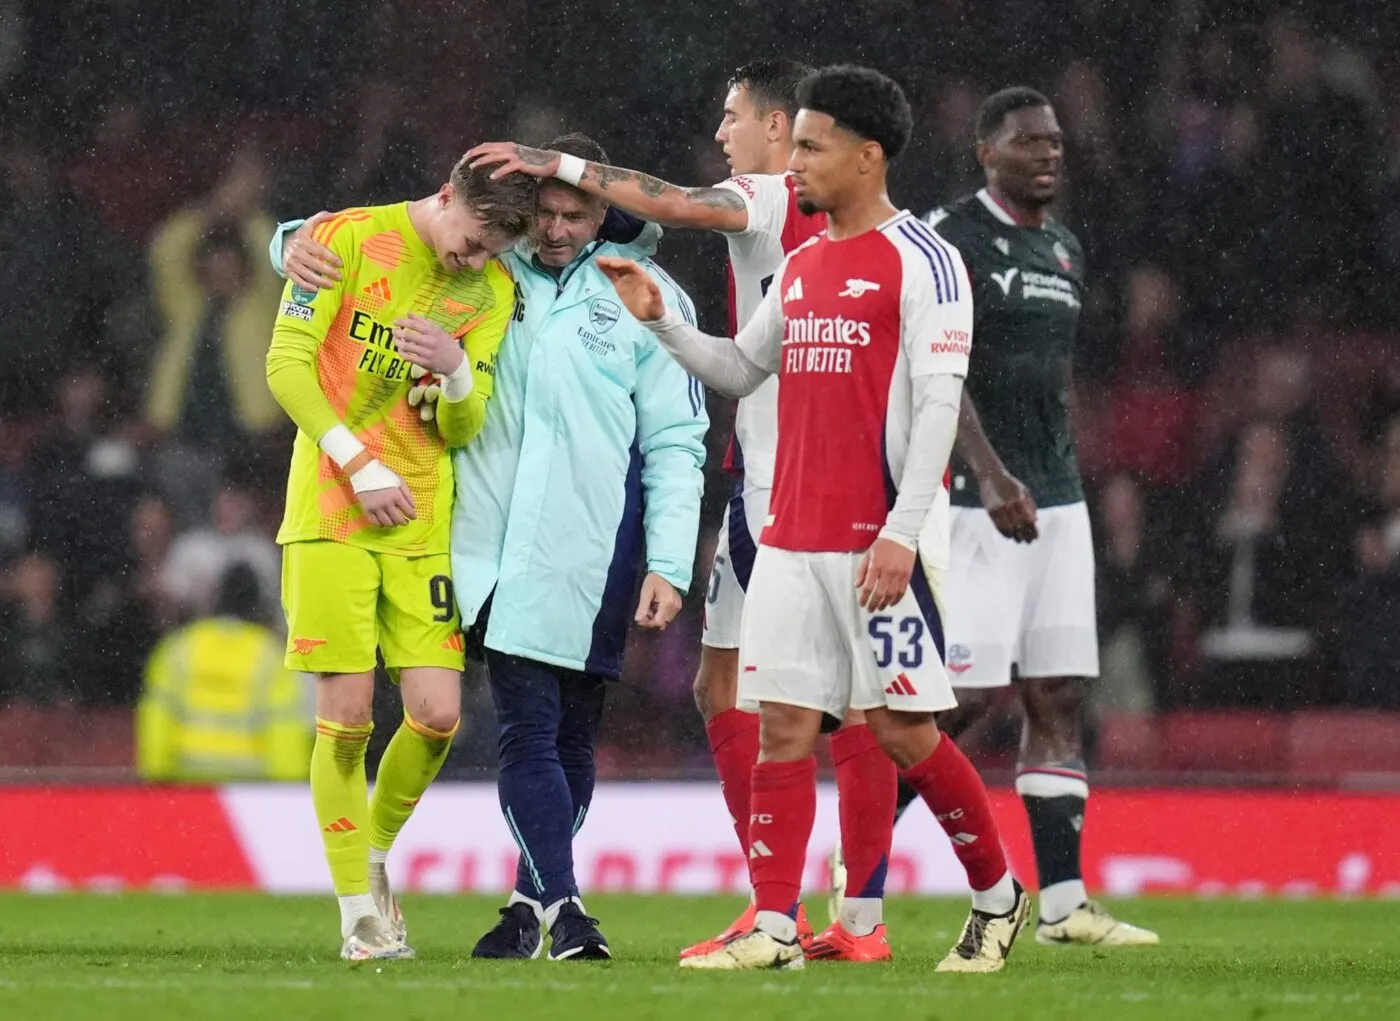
(1233,171)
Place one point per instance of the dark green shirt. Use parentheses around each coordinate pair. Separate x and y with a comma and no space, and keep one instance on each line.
(1027,289)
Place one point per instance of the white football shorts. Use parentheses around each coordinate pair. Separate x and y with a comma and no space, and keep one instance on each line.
(807,642)
(734,557)
(1028,605)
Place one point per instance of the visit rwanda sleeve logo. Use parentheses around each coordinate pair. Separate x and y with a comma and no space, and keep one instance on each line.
(302,295)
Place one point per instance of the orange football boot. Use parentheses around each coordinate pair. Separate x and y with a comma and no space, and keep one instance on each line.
(743,924)
(737,928)
(836,944)
(804,928)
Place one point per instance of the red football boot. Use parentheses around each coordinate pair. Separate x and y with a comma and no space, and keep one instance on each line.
(836,944)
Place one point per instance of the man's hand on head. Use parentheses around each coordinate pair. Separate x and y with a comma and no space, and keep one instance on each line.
(514,158)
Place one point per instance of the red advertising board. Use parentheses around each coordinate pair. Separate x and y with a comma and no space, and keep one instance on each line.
(677,838)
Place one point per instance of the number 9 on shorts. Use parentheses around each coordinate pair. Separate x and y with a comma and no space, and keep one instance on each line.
(343,602)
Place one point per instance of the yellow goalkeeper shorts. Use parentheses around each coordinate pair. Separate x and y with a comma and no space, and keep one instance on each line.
(342,602)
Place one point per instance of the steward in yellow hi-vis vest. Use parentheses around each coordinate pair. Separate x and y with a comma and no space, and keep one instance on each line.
(218,702)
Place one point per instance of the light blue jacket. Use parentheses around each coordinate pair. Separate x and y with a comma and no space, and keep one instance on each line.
(592,453)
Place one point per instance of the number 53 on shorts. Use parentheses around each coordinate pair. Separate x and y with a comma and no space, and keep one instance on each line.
(343,602)
(897,640)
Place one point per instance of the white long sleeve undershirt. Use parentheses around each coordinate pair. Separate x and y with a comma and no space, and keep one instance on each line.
(723,365)
(718,362)
(931,435)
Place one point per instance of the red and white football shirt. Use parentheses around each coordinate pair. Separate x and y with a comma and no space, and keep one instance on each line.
(846,326)
(776,227)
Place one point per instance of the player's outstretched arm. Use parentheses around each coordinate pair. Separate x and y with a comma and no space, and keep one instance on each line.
(718,362)
(630,190)
(1006,499)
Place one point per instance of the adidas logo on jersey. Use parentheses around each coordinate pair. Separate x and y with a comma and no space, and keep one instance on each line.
(901,685)
(794,292)
(858,288)
(379,289)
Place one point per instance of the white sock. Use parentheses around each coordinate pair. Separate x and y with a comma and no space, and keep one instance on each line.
(352,909)
(378,857)
(552,912)
(999,900)
(860,915)
(519,898)
(1059,899)
(778,925)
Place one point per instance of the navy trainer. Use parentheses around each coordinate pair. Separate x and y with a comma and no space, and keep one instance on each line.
(575,936)
(516,936)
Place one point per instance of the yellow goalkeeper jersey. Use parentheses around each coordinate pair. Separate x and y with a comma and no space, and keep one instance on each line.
(333,360)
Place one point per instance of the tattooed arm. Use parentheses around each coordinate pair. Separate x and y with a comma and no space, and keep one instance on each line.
(631,191)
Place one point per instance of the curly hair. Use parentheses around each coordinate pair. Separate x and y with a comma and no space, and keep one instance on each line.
(996,107)
(509,206)
(863,101)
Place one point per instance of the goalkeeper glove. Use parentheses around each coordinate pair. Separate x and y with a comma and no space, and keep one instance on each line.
(423,395)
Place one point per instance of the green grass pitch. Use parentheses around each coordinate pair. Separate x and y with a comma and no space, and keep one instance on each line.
(257,958)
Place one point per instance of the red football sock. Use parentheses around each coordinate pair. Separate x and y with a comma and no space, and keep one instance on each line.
(784,808)
(955,793)
(868,784)
(734,742)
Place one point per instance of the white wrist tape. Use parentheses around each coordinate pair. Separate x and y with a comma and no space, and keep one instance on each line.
(341,446)
(459,384)
(571,169)
(374,476)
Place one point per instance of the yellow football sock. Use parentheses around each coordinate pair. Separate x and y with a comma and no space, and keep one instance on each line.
(339,793)
(412,759)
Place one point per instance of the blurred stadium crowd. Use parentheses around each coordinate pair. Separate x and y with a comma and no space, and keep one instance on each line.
(1234,173)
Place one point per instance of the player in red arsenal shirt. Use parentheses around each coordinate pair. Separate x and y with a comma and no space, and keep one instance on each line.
(869,328)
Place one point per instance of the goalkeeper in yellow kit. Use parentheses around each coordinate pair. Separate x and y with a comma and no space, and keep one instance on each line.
(365,562)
